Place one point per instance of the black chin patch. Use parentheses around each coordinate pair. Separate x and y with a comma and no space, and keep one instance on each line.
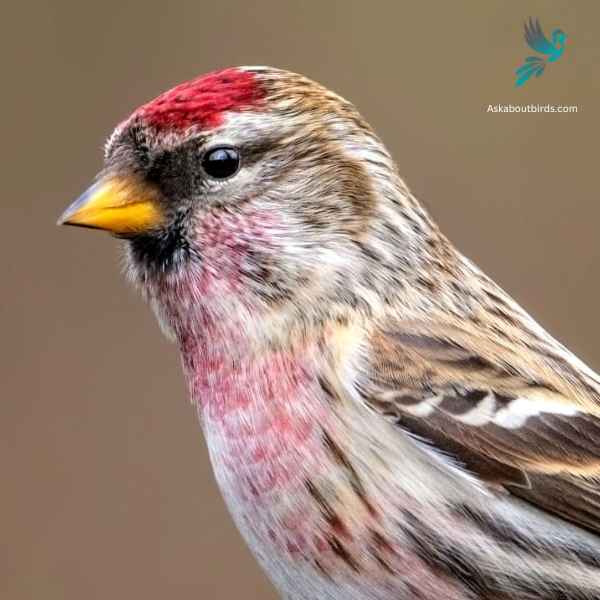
(161,251)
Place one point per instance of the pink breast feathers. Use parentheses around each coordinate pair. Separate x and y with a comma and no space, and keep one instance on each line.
(204,101)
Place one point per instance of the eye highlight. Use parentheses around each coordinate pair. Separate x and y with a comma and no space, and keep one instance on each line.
(222,162)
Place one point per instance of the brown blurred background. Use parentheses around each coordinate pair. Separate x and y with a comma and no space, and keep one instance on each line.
(107,490)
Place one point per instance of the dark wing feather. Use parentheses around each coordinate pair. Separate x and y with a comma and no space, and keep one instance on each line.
(567,496)
(523,414)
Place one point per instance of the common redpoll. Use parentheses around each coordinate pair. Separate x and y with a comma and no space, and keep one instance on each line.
(383,420)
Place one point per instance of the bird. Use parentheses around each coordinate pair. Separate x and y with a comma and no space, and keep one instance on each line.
(383,420)
(537,41)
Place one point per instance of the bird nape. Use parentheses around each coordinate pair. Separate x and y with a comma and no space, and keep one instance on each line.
(384,421)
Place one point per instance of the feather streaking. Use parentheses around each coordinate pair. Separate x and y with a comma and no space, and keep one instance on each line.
(383,420)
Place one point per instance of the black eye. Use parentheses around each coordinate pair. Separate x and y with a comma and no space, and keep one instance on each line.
(221,163)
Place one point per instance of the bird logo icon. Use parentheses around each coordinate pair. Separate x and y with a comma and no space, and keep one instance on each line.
(536,40)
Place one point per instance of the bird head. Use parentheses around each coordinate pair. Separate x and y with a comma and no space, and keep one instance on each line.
(250,187)
(559,37)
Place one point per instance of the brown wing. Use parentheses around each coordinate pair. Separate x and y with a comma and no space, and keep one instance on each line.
(521,413)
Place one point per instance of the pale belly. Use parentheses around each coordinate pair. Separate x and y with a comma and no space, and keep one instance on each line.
(338,504)
(307,506)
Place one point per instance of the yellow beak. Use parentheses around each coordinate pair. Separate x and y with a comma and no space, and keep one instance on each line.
(119,205)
